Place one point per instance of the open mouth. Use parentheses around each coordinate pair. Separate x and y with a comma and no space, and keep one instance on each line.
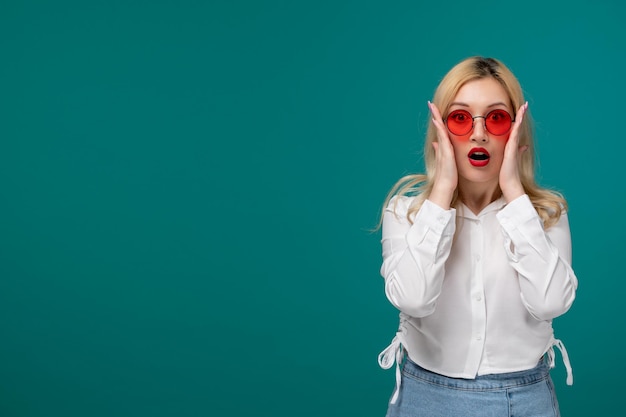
(478,157)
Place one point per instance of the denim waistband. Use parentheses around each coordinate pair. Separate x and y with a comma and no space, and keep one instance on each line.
(481,382)
(395,352)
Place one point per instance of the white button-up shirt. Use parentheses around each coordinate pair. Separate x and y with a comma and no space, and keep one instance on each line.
(476,293)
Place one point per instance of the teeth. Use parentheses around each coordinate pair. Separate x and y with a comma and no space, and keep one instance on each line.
(481,156)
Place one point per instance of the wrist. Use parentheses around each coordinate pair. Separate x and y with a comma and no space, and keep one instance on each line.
(512,194)
(441,197)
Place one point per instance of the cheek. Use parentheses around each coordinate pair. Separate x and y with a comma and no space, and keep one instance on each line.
(498,151)
(460,147)
(460,139)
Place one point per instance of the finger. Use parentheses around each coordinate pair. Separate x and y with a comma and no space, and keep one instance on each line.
(435,111)
(436,148)
(442,131)
(519,118)
(520,151)
(512,143)
(521,111)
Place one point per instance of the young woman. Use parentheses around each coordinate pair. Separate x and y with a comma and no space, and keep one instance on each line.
(476,256)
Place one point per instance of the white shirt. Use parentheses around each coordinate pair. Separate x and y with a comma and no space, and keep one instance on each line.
(476,293)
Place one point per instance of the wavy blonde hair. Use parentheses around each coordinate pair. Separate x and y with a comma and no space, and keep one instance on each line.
(549,204)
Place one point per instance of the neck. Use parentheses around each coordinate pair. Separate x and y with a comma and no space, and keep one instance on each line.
(478,196)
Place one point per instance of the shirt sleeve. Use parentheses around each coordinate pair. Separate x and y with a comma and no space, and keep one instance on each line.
(414,255)
(542,259)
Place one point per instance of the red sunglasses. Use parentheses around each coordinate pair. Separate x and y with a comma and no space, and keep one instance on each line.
(498,122)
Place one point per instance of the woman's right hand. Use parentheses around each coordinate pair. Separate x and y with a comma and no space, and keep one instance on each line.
(446,175)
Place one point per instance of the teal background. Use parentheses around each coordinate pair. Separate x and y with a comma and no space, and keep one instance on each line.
(187,190)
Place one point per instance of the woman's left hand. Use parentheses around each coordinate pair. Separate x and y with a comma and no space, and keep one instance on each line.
(510,181)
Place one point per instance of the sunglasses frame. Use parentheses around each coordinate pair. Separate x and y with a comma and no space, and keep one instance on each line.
(479,117)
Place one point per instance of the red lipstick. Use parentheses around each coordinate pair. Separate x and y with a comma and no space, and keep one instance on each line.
(478,157)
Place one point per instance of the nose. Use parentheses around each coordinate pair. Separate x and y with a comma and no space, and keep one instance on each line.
(479,133)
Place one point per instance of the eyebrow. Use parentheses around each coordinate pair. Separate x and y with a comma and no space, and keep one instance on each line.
(458,103)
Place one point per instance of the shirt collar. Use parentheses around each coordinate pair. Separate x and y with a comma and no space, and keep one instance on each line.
(465,212)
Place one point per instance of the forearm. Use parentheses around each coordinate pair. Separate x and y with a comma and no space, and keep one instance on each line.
(541,258)
(414,258)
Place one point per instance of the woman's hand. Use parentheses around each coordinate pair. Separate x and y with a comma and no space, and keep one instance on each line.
(446,176)
(510,182)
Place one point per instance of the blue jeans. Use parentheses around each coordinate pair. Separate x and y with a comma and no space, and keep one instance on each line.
(527,393)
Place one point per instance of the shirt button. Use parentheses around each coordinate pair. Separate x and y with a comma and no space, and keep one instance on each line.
(477,257)
(479,337)
(479,298)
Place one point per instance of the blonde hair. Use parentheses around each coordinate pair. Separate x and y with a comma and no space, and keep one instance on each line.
(549,204)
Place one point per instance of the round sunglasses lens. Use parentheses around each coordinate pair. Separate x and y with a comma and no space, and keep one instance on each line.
(459,122)
(498,122)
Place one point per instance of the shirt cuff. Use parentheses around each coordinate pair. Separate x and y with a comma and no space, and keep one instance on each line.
(517,212)
(437,219)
